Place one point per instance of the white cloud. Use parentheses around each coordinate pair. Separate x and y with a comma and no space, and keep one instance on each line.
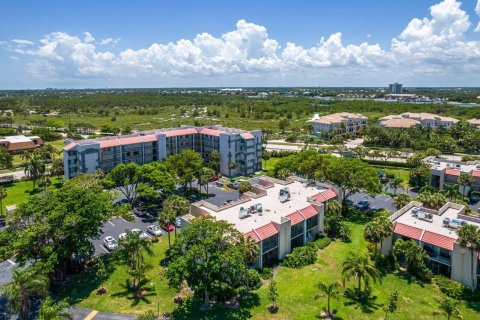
(477,10)
(431,45)
(107,41)
(14,58)
(22,42)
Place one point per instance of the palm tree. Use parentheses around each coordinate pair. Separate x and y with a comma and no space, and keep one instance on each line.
(215,160)
(333,207)
(244,187)
(57,168)
(358,267)
(394,184)
(177,206)
(401,200)
(35,168)
(3,195)
(330,290)
(448,307)
(451,191)
(469,237)
(24,284)
(133,244)
(465,180)
(231,166)
(251,250)
(373,233)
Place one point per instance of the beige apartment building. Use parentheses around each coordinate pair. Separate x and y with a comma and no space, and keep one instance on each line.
(338,123)
(278,215)
(474,123)
(436,232)
(410,119)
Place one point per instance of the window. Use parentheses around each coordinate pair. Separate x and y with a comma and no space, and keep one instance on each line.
(136,153)
(297,230)
(312,222)
(270,243)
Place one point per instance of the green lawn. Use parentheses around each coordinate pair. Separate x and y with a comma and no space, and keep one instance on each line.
(20,191)
(57,144)
(401,173)
(296,289)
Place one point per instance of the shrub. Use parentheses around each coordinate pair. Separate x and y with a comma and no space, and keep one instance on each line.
(266,273)
(345,232)
(300,257)
(253,279)
(46,134)
(149,315)
(386,263)
(320,243)
(155,239)
(454,289)
(7,131)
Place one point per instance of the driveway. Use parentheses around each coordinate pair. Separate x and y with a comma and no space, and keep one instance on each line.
(87,314)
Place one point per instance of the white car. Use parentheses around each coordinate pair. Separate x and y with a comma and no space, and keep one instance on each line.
(122,236)
(110,243)
(154,230)
(140,232)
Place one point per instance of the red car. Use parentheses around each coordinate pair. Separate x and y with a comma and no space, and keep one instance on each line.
(170,228)
(214,178)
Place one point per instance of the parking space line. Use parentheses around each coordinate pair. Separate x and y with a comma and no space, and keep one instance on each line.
(378,196)
(91,315)
(104,249)
(11,262)
(111,223)
(124,219)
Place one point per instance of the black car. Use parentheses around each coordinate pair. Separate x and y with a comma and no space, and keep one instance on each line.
(473,199)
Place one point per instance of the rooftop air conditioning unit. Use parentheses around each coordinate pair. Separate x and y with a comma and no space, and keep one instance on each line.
(243,213)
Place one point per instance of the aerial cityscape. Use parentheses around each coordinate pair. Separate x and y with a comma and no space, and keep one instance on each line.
(239,160)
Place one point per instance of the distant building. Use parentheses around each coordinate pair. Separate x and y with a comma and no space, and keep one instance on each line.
(446,172)
(279,215)
(410,119)
(16,144)
(436,231)
(395,87)
(474,123)
(244,148)
(338,123)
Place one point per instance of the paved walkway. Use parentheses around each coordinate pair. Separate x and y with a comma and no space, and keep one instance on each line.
(87,314)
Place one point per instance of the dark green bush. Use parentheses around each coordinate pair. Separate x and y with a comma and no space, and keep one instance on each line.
(386,263)
(253,279)
(320,243)
(266,273)
(46,134)
(345,232)
(454,289)
(300,257)
(7,131)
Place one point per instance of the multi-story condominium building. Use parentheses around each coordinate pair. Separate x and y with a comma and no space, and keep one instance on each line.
(278,215)
(16,144)
(410,119)
(474,123)
(444,172)
(436,232)
(338,123)
(243,148)
(395,88)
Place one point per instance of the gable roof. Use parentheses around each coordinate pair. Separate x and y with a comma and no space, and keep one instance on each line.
(453,172)
(180,132)
(325,195)
(252,235)
(308,212)
(266,231)
(295,218)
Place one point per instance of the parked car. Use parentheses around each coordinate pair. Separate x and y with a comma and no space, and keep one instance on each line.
(362,205)
(140,232)
(141,212)
(228,201)
(214,178)
(169,228)
(110,243)
(178,222)
(236,184)
(154,230)
(473,199)
(122,236)
(384,179)
(2,222)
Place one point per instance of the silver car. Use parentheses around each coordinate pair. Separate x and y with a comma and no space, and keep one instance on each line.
(140,232)
(154,230)
(110,243)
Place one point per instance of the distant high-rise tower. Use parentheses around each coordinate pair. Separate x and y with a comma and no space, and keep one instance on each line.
(395,87)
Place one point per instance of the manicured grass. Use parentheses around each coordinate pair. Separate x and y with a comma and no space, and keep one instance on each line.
(270,163)
(296,287)
(401,173)
(20,191)
(57,144)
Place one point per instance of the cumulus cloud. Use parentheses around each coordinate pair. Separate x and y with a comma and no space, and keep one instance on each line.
(433,44)
(108,41)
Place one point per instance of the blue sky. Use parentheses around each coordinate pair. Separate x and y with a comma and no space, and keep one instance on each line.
(258,43)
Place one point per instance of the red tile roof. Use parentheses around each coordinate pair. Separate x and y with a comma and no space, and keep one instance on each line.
(475,173)
(149,138)
(407,231)
(130,140)
(325,195)
(308,212)
(295,218)
(247,135)
(453,172)
(69,146)
(266,231)
(109,143)
(252,235)
(180,132)
(211,132)
(438,240)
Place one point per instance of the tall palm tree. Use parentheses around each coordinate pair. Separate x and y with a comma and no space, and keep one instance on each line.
(134,246)
(469,238)
(24,284)
(57,168)
(465,180)
(215,160)
(394,184)
(401,200)
(35,168)
(3,195)
(251,250)
(231,166)
(330,290)
(373,233)
(358,267)
(176,206)
(448,307)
